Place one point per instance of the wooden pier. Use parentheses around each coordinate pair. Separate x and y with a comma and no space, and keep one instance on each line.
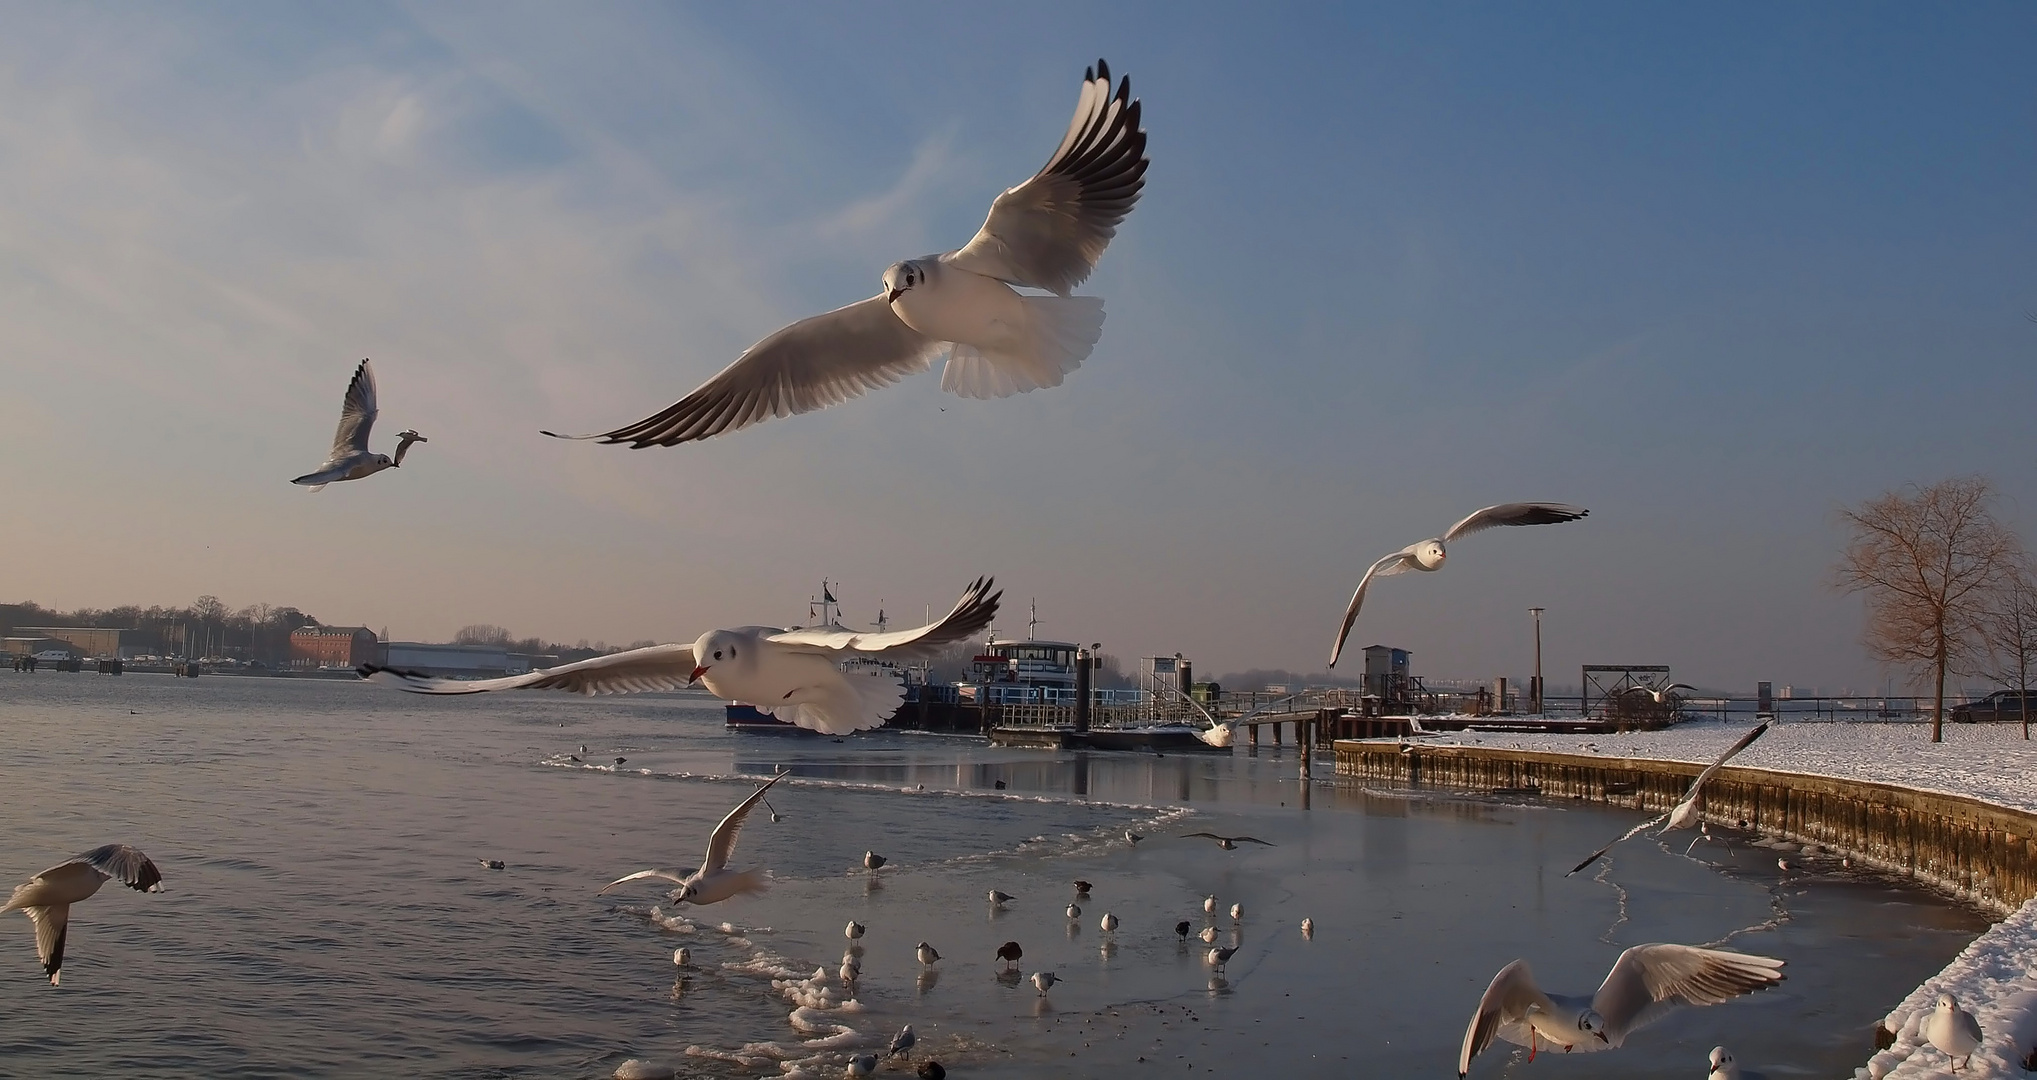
(1974,850)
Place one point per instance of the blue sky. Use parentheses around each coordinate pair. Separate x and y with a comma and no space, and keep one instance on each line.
(1709,272)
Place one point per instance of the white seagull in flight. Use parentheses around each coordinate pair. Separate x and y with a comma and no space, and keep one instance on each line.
(1046,233)
(350,459)
(1684,814)
(1645,983)
(47,897)
(793,674)
(1429,554)
(714,881)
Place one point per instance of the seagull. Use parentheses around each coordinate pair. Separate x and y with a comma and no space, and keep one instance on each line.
(1237,912)
(1952,1030)
(1009,952)
(851,970)
(1684,814)
(997,897)
(1209,904)
(872,860)
(47,897)
(1132,838)
(1208,935)
(1228,843)
(1429,554)
(1074,912)
(1109,923)
(1725,1068)
(902,1042)
(1046,234)
(1218,735)
(1308,928)
(493,864)
(713,882)
(681,956)
(1662,696)
(1645,982)
(1181,929)
(350,459)
(927,953)
(1218,957)
(792,674)
(1044,979)
(854,930)
(863,1065)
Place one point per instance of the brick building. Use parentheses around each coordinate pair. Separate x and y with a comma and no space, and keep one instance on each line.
(333,646)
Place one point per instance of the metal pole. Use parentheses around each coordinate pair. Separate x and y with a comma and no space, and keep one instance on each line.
(1538,659)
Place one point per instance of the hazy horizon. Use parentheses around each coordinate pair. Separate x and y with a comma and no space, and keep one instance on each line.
(1710,273)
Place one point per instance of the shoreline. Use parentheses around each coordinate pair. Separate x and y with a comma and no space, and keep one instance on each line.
(1974,846)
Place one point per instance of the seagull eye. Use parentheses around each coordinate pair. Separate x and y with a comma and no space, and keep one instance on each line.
(717,654)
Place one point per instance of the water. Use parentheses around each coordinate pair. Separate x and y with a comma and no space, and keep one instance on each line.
(327,914)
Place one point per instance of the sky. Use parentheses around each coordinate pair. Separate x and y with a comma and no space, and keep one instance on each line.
(1711,272)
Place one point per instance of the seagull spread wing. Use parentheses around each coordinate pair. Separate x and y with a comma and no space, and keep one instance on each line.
(1512,993)
(972,613)
(1392,564)
(812,364)
(1628,835)
(1746,741)
(656,667)
(124,864)
(357,414)
(723,843)
(1649,980)
(1048,232)
(1515,514)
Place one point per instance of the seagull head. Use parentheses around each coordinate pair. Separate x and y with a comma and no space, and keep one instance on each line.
(1721,1057)
(899,278)
(683,893)
(1947,1003)
(1429,554)
(717,647)
(1590,1021)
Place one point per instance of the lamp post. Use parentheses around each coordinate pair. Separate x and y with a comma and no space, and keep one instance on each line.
(1537,695)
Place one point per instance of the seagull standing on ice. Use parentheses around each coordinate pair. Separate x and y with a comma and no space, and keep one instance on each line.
(999,898)
(873,861)
(902,1042)
(1109,922)
(1044,980)
(854,930)
(1646,981)
(1046,233)
(927,954)
(350,459)
(1684,814)
(1218,957)
(793,674)
(1209,904)
(1953,1031)
(713,882)
(47,897)
(1429,554)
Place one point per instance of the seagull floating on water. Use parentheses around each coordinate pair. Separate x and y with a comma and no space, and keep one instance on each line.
(1645,982)
(1430,554)
(493,864)
(1953,1031)
(1684,814)
(1228,843)
(793,674)
(1046,233)
(713,882)
(681,956)
(350,459)
(47,897)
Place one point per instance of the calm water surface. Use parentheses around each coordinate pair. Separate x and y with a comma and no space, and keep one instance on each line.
(327,914)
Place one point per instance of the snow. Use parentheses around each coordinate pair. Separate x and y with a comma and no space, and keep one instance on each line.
(1995,978)
(1991,762)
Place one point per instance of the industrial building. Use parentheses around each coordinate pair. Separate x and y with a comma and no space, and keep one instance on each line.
(109,642)
(333,646)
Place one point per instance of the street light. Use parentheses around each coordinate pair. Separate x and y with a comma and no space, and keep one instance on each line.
(1537,695)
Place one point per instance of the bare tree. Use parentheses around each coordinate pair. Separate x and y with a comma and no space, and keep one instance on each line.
(2010,630)
(1929,561)
(483,634)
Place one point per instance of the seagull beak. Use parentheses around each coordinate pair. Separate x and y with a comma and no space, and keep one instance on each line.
(892,294)
(1601,1036)
(697,673)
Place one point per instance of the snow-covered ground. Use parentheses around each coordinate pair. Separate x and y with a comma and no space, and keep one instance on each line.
(1996,977)
(1983,761)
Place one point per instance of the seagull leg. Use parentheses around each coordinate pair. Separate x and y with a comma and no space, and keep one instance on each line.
(1531,1042)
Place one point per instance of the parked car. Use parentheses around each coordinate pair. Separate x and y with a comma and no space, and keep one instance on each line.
(2000,705)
